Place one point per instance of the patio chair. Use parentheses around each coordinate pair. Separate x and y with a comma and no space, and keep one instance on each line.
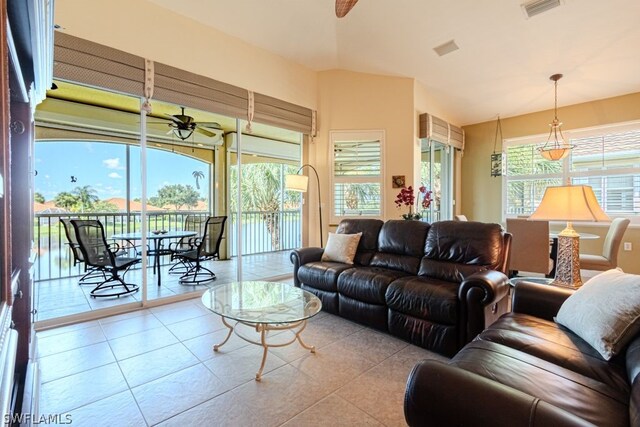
(92,275)
(194,223)
(206,248)
(102,256)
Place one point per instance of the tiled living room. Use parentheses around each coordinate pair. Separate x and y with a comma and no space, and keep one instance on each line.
(329,212)
(157,366)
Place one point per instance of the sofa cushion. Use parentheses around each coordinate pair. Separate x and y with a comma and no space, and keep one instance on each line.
(589,399)
(322,275)
(367,284)
(402,237)
(368,245)
(425,298)
(341,247)
(447,270)
(551,342)
(468,243)
(605,312)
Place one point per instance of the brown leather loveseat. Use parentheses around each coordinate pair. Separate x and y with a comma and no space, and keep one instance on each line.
(435,285)
(526,370)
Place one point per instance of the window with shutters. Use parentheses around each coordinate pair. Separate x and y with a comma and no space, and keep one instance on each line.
(356,172)
(607,158)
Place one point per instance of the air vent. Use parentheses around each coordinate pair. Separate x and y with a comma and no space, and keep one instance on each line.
(536,7)
(445,48)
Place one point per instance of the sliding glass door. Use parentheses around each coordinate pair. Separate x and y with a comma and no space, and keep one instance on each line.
(436,174)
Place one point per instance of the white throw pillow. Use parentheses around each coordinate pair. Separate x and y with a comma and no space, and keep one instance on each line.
(605,311)
(341,247)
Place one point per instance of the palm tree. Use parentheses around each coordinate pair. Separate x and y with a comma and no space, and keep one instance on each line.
(260,189)
(198,175)
(87,196)
(65,200)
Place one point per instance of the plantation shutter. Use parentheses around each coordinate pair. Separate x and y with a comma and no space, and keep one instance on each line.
(357,172)
(436,129)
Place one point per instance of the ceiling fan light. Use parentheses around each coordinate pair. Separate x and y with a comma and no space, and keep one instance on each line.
(182,133)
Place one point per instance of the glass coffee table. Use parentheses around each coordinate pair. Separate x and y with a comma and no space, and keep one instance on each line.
(258,311)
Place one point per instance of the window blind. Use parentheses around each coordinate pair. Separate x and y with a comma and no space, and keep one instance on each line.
(93,64)
(85,62)
(432,127)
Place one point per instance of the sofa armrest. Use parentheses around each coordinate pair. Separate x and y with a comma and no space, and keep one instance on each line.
(539,300)
(439,394)
(477,292)
(301,257)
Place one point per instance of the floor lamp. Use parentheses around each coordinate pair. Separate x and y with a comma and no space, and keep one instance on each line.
(569,203)
(300,183)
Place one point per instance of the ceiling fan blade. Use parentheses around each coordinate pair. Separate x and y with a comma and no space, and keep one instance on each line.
(344,6)
(205,132)
(211,125)
(169,132)
(174,119)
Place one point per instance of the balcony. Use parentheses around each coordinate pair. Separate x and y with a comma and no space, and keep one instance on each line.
(267,239)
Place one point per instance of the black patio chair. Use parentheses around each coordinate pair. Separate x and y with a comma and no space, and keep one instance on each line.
(195,223)
(206,248)
(101,256)
(92,275)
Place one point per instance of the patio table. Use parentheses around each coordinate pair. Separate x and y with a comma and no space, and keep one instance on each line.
(157,239)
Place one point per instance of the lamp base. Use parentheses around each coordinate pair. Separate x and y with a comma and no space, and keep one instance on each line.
(568,262)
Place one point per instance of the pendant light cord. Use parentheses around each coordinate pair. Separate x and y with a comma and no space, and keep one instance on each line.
(495,141)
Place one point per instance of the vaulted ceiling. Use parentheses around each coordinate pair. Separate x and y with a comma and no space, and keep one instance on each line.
(503,64)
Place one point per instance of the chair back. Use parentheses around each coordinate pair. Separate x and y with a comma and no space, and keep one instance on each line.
(460,218)
(194,223)
(209,246)
(70,232)
(92,243)
(613,239)
(529,245)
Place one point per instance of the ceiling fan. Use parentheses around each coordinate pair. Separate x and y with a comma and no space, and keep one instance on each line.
(183,126)
(344,6)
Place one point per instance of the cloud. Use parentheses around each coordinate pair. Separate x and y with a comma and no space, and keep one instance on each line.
(115,175)
(112,163)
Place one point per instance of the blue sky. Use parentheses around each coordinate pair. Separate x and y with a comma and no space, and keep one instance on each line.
(102,166)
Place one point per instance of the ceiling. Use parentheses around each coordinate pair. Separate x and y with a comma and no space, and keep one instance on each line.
(503,64)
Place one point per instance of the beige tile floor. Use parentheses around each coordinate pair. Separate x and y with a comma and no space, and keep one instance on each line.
(62,297)
(157,367)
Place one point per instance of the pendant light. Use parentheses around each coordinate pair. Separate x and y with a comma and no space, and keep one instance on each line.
(556,147)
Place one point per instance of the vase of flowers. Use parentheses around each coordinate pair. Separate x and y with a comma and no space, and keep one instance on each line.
(406,197)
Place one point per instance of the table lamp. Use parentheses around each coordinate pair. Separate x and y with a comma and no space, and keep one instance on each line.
(569,203)
(301,183)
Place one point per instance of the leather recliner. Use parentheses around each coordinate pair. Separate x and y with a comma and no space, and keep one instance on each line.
(526,370)
(436,286)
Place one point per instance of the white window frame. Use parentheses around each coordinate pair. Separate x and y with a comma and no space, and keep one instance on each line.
(566,175)
(364,135)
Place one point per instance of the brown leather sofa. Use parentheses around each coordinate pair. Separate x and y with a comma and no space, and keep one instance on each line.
(526,370)
(436,285)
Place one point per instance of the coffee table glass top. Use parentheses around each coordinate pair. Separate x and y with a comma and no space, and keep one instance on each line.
(261,302)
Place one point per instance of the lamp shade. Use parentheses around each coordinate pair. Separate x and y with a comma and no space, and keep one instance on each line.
(296,183)
(569,203)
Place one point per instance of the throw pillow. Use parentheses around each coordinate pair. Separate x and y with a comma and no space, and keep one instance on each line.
(605,311)
(341,247)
